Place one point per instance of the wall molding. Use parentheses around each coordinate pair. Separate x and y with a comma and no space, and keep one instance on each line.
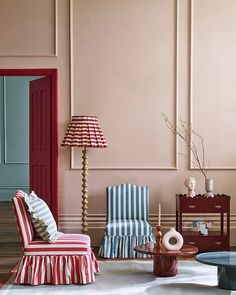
(15,186)
(176,91)
(167,219)
(54,54)
(96,223)
(8,191)
(11,189)
(5,126)
(191,91)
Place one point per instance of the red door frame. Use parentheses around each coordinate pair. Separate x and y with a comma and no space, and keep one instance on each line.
(53,74)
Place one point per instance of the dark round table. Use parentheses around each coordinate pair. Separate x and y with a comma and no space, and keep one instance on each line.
(164,261)
(226,263)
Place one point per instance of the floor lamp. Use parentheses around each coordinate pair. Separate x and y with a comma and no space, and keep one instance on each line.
(84,131)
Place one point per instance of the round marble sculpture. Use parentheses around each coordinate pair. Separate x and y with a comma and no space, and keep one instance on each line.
(174,235)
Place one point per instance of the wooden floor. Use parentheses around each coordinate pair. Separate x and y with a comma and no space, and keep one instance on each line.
(10,249)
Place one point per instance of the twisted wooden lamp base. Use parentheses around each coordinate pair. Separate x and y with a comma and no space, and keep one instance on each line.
(84,190)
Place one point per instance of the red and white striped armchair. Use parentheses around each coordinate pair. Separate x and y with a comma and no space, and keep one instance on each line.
(68,260)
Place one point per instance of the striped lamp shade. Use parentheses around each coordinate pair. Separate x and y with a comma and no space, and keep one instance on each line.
(84,131)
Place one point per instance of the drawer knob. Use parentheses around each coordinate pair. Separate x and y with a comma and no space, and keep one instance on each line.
(191,206)
(218,243)
(218,206)
(191,243)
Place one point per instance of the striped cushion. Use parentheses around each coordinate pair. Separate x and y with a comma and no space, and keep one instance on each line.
(67,244)
(128,227)
(42,218)
(127,201)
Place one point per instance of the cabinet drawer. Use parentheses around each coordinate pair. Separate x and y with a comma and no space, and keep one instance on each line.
(208,206)
(206,243)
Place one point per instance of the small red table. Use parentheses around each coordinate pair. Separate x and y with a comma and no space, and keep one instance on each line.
(164,261)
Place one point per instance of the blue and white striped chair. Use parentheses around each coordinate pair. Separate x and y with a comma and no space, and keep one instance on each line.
(127,221)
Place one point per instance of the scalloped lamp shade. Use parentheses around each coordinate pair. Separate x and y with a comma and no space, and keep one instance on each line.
(84,131)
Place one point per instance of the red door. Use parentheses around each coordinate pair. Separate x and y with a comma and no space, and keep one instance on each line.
(40,139)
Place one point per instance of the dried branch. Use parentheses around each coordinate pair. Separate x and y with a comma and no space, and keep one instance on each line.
(186,133)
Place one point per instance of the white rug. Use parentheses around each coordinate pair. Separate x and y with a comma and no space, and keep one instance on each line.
(134,277)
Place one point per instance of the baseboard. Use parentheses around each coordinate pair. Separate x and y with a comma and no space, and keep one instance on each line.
(71,223)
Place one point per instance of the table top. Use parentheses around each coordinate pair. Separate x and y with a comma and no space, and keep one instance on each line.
(184,251)
(225,258)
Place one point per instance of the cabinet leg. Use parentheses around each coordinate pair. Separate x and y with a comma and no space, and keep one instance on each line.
(177,220)
(180,222)
(222,223)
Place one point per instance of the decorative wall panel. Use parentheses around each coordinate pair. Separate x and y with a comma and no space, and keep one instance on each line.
(16,120)
(14,139)
(213,91)
(124,70)
(28,28)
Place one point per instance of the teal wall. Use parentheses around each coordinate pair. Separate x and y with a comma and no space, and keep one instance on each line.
(14,135)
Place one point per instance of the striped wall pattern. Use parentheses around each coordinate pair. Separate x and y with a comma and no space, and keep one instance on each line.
(127,221)
(68,260)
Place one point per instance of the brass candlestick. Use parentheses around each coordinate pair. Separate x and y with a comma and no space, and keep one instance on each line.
(158,237)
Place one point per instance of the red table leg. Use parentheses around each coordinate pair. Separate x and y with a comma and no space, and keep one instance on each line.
(165,266)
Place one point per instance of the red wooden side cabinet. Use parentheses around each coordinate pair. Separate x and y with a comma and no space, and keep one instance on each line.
(188,208)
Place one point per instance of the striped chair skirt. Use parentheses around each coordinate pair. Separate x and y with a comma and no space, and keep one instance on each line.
(121,236)
(68,260)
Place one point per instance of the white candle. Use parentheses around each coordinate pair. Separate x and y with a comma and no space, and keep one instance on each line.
(159,214)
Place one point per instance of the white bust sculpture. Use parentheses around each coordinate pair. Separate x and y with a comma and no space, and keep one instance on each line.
(190,184)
